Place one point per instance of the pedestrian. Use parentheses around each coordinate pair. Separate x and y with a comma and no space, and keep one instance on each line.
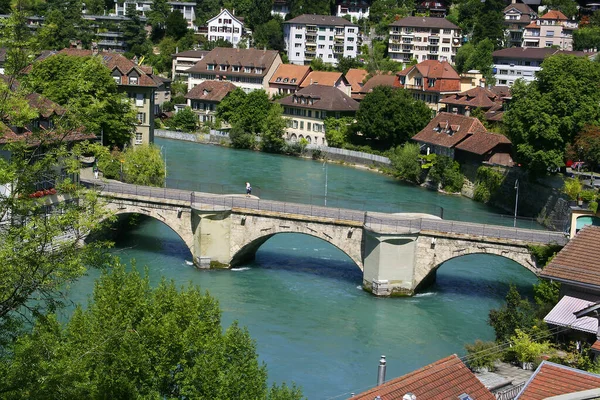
(96,173)
(248,189)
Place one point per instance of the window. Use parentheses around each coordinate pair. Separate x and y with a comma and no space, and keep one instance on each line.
(295,124)
(247,70)
(117,79)
(350,48)
(351,30)
(549,44)
(210,67)
(278,79)
(309,114)
(298,45)
(138,138)
(235,68)
(223,67)
(258,71)
(550,33)
(322,29)
(331,38)
(447,31)
(141,117)
(298,36)
(301,124)
(321,37)
(297,54)
(351,39)
(321,46)
(446,49)
(293,80)
(139,100)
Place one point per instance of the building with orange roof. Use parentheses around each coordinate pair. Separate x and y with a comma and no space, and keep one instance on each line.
(430,81)
(377,80)
(448,378)
(551,29)
(356,78)
(550,380)
(325,78)
(287,79)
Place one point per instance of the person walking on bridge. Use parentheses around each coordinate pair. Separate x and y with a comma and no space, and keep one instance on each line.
(248,189)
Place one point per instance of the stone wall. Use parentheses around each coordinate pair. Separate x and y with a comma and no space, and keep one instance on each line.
(216,137)
(349,156)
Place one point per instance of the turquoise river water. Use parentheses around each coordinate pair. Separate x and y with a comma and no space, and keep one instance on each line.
(301,297)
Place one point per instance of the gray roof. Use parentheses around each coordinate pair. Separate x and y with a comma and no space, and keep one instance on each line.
(191,53)
(523,8)
(313,19)
(236,57)
(533,53)
(425,22)
(326,98)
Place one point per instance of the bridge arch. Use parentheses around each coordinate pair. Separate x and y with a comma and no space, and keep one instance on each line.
(248,251)
(524,258)
(178,219)
(249,232)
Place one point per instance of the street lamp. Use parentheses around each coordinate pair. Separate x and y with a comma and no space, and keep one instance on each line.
(325,167)
(165,154)
(516,202)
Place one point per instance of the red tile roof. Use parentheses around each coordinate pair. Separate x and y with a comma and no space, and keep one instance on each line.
(380,80)
(7,135)
(444,379)
(321,78)
(596,346)
(578,262)
(482,142)
(294,74)
(478,97)
(554,14)
(553,380)
(448,130)
(446,77)
(356,77)
(211,91)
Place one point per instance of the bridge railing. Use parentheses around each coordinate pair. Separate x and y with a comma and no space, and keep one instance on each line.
(138,190)
(404,225)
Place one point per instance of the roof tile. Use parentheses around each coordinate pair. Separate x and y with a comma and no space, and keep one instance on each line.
(553,380)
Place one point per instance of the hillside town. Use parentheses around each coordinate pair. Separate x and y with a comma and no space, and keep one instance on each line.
(488,100)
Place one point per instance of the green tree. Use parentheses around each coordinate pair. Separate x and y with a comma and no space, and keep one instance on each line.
(157,18)
(273,131)
(5,7)
(337,131)
(586,38)
(587,146)
(186,120)
(406,162)
(209,45)
(477,57)
(567,7)
(346,63)
(134,35)
(241,139)
(319,7)
(20,44)
(383,12)
(269,35)
(163,61)
(446,173)
(144,165)
(376,58)
(546,114)
(489,23)
(135,341)
(517,313)
(227,108)
(259,13)
(464,53)
(84,85)
(389,117)
(176,26)
(317,64)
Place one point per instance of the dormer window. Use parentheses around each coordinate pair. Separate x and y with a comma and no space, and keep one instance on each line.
(295,99)
(293,80)
(278,79)
(210,67)
(223,67)
(430,82)
(205,92)
(247,70)
(304,100)
(117,79)
(437,128)
(236,68)
(258,71)
(133,80)
(285,80)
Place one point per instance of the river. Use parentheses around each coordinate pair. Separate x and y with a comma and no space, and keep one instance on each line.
(301,298)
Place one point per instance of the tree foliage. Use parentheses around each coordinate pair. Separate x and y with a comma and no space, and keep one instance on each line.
(478,57)
(446,173)
(85,87)
(176,25)
(273,131)
(185,120)
(567,7)
(586,38)
(587,146)
(269,35)
(406,162)
(337,131)
(135,341)
(516,313)
(389,117)
(546,114)
(346,63)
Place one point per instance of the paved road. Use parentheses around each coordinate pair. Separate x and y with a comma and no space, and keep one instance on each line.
(378,221)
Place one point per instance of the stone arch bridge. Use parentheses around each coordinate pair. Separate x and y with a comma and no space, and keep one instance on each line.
(398,253)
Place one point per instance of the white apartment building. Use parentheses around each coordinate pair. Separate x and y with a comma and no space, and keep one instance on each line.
(281,8)
(327,37)
(551,29)
(187,9)
(248,69)
(185,60)
(357,9)
(522,63)
(225,26)
(423,38)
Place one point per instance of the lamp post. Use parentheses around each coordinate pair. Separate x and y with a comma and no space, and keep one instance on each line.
(516,202)
(165,155)
(122,161)
(325,167)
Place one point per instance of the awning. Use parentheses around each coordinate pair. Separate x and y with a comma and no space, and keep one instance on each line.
(563,314)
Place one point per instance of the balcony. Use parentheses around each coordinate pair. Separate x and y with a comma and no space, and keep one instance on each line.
(311,29)
(413,87)
(311,39)
(338,49)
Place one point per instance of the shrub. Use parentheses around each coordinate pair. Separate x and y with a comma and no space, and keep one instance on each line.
(526,350)
(543,254)
(572,188)
(482,355)
(588,195)
(488,182)
(446,172)
(406,163)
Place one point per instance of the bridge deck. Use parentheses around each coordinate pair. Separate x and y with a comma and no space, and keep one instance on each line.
(381,222)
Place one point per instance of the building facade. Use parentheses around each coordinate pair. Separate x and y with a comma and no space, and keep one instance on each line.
(184,61)
(187,9)
(204,98)
(308,108)
(287,79)
(423,38)
(327,37)
(551,29)
(280,8)
(248,69)
(356,9)
(225,26)
(516,17)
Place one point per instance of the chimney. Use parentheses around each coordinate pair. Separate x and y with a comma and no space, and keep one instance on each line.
(233,11)
(467,112)
(381,371)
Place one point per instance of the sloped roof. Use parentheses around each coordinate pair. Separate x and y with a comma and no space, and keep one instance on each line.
(448,130)
(321,78)
(229,14)
(446,77)
(534,53)
(478,97)
(482,142)
(44,106)
(554,14)
(522,8)
(211,91)
(380,80)
(563,314)
(326,98)
(551,379)
(444,379)
(578,262)
(236,57)
(425,22)
(312,19)
(291,72)
(192,54)
(355,77)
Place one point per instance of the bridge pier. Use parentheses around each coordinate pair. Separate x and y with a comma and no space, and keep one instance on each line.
(212,237)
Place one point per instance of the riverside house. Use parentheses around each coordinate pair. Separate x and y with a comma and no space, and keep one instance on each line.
(308,108)
(204,98)
(248,69)
(287,79)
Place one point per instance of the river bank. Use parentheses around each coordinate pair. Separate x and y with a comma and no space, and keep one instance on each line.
(541,201)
